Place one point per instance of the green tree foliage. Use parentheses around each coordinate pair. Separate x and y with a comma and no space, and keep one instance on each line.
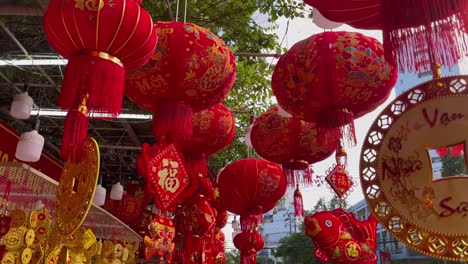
(297,248)
(453,166)
(232,256)
(247,27)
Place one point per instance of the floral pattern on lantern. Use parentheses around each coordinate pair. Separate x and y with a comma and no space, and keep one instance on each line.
(332,78)
(191,70)
(293,143)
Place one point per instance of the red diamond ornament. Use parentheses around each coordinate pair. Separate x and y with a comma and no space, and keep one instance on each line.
(168,177)
(339,181)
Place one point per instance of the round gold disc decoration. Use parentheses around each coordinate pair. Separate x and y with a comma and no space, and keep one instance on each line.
(76,189)
(428,214)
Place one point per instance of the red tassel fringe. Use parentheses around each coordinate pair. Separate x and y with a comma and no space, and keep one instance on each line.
(344,120)
(299,177)
(409,44)
(298,203)
(172,123)
(101,78)
(74,133)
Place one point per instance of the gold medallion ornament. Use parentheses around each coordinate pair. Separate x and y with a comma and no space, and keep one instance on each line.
(76,189)
(423,210)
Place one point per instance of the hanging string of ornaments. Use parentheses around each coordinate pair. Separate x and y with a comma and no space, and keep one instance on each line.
(182,72)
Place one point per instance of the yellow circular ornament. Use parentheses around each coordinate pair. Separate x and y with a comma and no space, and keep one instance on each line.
(76,188)
(29,237)
(26,256)
(9,258)
(422,209)
(18,218)
(33,219)
(13,240)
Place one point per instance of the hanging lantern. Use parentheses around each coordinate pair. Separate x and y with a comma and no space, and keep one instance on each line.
(191,70)
(332,78)
(249,243)
(21,106)
(251,186)
(30,145)
(99,198)
(293,143)
(100,39)
(117,192)
(416,33)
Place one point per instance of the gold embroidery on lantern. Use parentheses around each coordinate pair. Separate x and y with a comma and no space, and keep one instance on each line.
(90,5)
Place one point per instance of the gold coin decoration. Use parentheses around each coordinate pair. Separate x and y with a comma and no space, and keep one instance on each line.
(425,213)
(29,237)
(33,219)
(76,189)
(26,256)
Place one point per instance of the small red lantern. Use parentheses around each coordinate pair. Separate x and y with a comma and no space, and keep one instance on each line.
(293,143)
(251,186)
(100,39)
(410,27)
(332,78)
(191,70)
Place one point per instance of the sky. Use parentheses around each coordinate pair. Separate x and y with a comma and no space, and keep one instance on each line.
(299,29)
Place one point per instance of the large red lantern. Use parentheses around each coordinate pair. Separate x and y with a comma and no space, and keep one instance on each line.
(191,70)
(251,186)
(293,143)
(416,32)
(332,78)
(100,39)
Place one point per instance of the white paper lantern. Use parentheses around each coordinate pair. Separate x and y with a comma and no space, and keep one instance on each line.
(322,22)
(30,146)
(21,106)
(99,198)
(117,192)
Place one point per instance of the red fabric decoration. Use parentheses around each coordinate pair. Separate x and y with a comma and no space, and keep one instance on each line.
(442,152)
(340,238)
(166,178)
(457,150)
(293,143)
(298,203)
(100,39)
(128,209)
(248,244)
(75,130)
(191,70)
(213,130)
(332,78)
(219,248)
(416,33)
(160,242)
(221,219)
(339,181)
(251,186)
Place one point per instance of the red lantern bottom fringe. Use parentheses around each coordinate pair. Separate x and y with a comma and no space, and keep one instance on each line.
(301,177)
(342,119)
(99,75)
(74,133)
(172,122)
(444,41)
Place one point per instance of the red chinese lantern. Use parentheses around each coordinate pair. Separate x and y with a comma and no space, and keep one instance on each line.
(213,129)
(293,143)
(191,70)
(219,248)
(416,32)
(332,78)
(250,187)
(100,39)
